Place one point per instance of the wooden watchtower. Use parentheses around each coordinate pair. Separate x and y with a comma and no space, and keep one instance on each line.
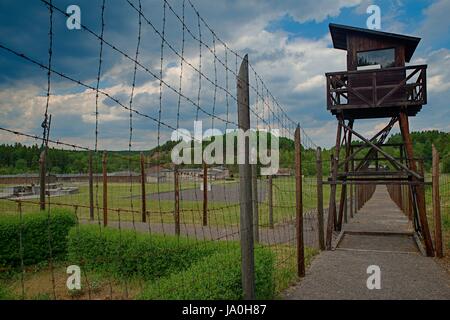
(376,84)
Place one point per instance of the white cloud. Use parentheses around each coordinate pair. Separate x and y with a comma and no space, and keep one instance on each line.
(293,69)
(436,24)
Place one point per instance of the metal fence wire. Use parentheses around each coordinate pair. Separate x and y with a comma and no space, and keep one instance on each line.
(144,227)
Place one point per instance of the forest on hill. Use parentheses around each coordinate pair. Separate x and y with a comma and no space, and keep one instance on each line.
(19,158)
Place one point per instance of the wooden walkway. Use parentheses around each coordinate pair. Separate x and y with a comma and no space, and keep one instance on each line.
(379,235)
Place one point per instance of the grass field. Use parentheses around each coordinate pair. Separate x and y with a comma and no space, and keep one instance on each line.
(161,211)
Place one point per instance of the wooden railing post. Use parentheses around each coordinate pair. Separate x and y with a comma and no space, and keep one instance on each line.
(418,189)
(255,202)
(143,193)
(320,227)
(205,194)
(299,204)
(91,187)
(270,181)
(176,212)
(42,176)
(105,190)
(437,205)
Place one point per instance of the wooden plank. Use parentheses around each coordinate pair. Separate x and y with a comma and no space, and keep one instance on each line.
(388,156)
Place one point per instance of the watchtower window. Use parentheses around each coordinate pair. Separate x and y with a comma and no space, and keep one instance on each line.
(376,59)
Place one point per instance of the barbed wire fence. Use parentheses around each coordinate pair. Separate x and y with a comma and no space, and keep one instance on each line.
(176,227)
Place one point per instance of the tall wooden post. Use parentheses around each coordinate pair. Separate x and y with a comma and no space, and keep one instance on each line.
(143,193)
(176,212)
(418,189)
(437,206)
(334,171)
(270,181)
(245,191)
(319,170)
(343,200)
(299,204)
(105,190)
(352,188)
(91,187)
(255,202)
(205,194)
(42,176)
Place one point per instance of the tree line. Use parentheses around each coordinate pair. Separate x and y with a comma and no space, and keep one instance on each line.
(18,158)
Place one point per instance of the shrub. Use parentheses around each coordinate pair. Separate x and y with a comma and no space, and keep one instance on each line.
(215,277)
(5,294)
(125,254)
(446,222)
(40,232)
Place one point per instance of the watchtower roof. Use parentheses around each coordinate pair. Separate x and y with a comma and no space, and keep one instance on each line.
(340,32)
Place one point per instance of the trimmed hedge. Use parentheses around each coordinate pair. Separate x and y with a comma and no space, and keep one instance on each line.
(37,229)
(215,277)
(126,254)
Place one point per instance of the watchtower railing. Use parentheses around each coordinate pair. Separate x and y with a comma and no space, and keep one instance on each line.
(398,86)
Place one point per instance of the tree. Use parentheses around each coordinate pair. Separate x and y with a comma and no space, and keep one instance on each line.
(21,165)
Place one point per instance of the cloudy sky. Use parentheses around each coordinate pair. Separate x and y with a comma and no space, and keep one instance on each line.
(287,41)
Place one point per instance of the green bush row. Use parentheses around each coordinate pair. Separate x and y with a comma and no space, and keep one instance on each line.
(34,237)
(215,277)
(126,254)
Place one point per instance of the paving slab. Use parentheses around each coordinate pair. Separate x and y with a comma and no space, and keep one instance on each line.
(380,235)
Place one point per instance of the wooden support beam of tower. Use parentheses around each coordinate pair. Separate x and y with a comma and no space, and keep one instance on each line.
(334,169)
(418,190)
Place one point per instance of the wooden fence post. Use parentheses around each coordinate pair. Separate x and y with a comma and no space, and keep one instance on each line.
(271,224)
(143,193)
(245,189)
(437,205)
(205,194)
(299,204)
(91,187)
(42,175)
(332,216)
(177,200)
(255,202)
(105,190)
(320,227)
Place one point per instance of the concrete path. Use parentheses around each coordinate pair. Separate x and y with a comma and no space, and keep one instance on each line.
(379,235)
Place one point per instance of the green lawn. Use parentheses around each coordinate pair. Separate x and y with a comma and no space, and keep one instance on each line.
(220,213)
